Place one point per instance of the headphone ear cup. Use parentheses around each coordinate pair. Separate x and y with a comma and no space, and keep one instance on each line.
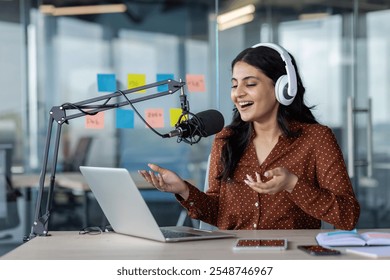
(281,88)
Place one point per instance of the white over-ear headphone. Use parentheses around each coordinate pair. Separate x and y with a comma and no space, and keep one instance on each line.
(286,85)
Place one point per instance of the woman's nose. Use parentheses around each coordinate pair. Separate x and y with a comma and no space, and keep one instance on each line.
(239,91)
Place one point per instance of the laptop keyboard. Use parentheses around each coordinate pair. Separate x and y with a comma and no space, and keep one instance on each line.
(176,234)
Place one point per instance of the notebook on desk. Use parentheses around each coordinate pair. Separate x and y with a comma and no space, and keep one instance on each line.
(127,212)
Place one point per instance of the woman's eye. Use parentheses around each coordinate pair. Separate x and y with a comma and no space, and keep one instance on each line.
(251,85)
(234,86)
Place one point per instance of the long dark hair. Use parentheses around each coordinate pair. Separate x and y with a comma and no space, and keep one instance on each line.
(269,62)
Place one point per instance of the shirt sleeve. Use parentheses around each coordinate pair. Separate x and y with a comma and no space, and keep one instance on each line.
(333,199)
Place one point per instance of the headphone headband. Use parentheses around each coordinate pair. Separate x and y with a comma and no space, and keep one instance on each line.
(290,70)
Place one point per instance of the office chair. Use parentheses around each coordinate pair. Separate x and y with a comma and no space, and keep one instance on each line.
(203,225)
(79,156)
(9,213)
(66,202)
(183,214)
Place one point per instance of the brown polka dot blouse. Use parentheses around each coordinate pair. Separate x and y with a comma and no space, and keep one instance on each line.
(323,191)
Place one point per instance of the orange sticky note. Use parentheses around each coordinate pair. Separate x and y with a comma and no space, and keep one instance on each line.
(174,114)
(155,117)
(136,80)
(195,83)
(95,121)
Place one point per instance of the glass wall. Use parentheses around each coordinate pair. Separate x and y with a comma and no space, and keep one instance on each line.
(12,79)
(46,60)
(141,46)
(342,53)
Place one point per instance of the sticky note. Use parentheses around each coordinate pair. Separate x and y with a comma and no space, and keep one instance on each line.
(174,114)
(163,77)
(136,80)
(155,117)
(124,118)
(95,121)
(195,83)
(106,82)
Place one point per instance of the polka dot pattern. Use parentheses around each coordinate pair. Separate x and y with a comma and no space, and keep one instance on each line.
(323,191)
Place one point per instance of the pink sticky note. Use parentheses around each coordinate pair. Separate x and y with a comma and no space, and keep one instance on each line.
(195,83)
(95,121)
(155,117)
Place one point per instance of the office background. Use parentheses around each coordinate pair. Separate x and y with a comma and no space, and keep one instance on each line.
(342,49)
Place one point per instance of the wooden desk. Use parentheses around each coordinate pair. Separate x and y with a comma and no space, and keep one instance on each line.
(111,246)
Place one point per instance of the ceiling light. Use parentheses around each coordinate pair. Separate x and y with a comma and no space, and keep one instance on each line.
(46,9)
(235,22)
(82,10)
(237,13)
(309,16)
(236,17)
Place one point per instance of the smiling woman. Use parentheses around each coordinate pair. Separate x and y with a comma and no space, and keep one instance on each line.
(274,166)
(253,93)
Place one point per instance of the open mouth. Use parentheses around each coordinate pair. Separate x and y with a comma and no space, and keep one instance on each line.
(245,104)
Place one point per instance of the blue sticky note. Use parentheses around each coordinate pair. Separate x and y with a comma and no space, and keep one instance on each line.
(106,82)
(124,118)
(163,77)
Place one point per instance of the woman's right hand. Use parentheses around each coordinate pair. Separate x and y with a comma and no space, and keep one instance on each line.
(165,180)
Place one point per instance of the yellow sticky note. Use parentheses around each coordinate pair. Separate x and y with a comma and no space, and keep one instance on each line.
(195,83)
(95,121)
(174,114)
(136,80)
(155,117)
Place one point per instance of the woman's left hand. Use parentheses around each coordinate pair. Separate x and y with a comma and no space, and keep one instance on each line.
(280,179)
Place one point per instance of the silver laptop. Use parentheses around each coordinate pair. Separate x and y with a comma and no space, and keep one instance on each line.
(127,212)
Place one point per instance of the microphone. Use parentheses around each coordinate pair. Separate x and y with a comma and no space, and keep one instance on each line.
(202,124)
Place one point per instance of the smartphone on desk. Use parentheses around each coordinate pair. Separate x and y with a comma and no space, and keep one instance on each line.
(253,244)
(317,250)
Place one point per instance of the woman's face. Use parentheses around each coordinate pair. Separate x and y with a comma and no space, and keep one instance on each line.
(253,93)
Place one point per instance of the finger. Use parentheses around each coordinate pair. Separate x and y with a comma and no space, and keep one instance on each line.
(266,190)
(274,172)
(141,172)
(153,178)
(253,184)
(270,173)
(155,167)
(257,188)
(145,175)
(249,178)
(160,180)
(260,187)
(258,178)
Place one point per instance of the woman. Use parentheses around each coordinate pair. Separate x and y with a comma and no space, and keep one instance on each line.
(274,166)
